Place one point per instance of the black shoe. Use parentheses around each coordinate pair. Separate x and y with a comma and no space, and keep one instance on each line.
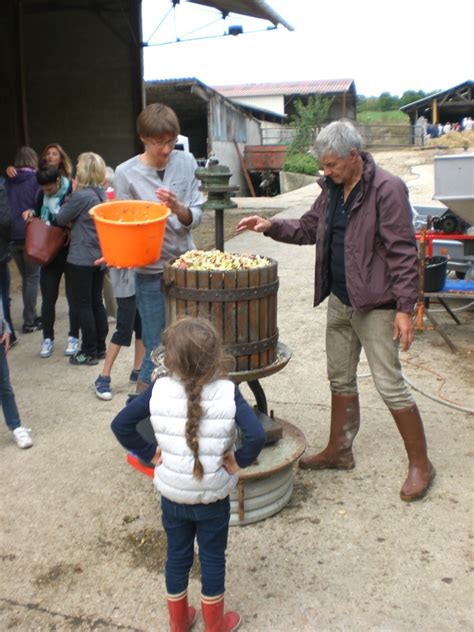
(81,358)
(29,329)
(101,354)
(133,377)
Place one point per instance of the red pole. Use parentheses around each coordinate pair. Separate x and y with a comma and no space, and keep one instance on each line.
(420,306)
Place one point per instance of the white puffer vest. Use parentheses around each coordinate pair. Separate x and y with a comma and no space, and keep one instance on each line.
(217,432)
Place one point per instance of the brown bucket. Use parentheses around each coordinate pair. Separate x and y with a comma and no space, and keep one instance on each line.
(242,304)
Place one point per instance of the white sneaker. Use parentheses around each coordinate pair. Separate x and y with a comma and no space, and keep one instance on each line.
(47,347)
(72,346)
(22,437)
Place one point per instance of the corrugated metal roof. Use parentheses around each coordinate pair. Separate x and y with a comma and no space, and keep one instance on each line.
(177,94)
(427,100)
(321,86)
(252,8)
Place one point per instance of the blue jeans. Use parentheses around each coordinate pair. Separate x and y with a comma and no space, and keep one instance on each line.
(209,524)
(7,397)
(151,305)
(5,292)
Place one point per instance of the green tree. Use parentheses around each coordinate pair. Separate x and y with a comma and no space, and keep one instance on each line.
(387,102)
(411,95)
(306,120)
(367,104)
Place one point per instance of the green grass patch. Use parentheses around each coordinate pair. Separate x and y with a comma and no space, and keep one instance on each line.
(392,117)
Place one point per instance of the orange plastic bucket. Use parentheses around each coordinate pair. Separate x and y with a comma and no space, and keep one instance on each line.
(130,231)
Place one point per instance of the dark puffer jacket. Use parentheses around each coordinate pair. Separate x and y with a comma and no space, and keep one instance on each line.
(381,260)
(23,191)
(5,223)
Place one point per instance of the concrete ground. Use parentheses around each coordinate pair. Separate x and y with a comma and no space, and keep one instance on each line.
(82,546)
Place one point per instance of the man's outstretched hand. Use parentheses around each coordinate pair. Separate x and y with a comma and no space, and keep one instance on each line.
(254,222)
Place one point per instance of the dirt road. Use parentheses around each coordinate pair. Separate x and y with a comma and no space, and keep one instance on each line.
(81,545)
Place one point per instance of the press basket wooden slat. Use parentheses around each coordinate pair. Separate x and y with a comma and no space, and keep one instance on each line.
(242,304)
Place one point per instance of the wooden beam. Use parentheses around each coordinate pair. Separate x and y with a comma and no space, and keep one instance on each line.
(244,169)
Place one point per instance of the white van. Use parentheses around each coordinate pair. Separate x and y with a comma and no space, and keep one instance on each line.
(182,143)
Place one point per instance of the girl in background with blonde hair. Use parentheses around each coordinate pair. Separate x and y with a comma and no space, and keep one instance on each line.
(86,278)
(194,411)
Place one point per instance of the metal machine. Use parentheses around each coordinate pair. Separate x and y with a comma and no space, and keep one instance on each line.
(451,230)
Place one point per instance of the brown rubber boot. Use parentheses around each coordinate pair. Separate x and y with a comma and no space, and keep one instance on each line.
(141,386)
(420,470)
(345,422)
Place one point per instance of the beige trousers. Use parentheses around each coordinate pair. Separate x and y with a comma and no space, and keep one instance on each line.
(347,333)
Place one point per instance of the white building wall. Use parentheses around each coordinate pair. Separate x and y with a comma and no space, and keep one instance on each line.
(276,133)
(226,154)
(275,103)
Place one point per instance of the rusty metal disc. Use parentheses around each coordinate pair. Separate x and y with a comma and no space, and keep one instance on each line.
(283,356)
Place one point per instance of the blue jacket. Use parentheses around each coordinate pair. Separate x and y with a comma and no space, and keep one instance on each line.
(23,191)
(5,223)
(124,426)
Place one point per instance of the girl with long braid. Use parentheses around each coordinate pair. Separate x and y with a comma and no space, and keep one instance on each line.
(194,410)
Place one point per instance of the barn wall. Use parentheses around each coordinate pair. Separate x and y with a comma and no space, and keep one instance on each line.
(229,124)
(82,77)
(272,103)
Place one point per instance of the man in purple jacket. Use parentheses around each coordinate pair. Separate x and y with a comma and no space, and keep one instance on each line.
(367,264)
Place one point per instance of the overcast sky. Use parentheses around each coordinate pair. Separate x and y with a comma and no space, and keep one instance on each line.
(404,45)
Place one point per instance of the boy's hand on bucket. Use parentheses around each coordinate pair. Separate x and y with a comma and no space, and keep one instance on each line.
(103,262)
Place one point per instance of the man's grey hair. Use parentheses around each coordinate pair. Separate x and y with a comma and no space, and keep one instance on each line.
(340,138)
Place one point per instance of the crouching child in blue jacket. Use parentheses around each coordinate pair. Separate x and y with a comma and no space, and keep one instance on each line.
(194,411)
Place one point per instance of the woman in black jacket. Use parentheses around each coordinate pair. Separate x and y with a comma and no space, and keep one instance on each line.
(55,189)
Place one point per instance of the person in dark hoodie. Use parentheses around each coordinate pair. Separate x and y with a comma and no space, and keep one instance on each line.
(23,190)
(87,279)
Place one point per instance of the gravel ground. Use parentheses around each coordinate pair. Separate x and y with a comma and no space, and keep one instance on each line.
(82,546)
